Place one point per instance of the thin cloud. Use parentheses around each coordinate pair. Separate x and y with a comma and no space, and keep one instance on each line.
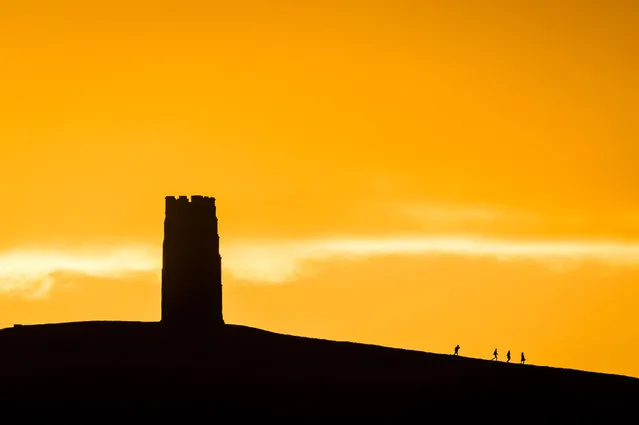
(34,271)
(280,262)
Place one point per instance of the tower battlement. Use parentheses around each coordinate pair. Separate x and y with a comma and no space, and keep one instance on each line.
(191,263)
(184,200)
(182,204)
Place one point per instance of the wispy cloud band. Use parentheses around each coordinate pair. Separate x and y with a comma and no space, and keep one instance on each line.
(280,261)
(33,270)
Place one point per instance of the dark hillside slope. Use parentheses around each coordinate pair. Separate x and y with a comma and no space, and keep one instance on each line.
(239,371)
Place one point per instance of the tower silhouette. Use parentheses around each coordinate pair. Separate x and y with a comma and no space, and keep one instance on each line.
(191,264)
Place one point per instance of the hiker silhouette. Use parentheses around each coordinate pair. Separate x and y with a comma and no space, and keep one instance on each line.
(495,354)
(523,359)
(456,350)
(508,357)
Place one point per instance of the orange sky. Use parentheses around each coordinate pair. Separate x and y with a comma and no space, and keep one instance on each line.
(407,173)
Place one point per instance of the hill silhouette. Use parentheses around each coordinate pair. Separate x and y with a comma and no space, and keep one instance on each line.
(192,367)
(118,370)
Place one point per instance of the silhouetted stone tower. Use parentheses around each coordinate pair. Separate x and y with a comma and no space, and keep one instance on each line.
(191,264)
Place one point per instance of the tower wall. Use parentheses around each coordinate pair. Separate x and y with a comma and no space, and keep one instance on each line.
(191,263)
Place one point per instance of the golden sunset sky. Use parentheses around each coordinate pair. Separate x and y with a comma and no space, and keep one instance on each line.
(406,173)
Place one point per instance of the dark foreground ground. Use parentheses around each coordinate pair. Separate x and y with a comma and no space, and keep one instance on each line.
(128,372)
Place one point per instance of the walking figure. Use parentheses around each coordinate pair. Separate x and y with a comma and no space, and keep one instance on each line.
(508,357)
(495,354)
(457,350)
(523,359)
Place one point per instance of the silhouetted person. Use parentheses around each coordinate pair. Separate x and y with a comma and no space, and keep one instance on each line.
(508,357)
(457,350)
(523,359)
(495,354)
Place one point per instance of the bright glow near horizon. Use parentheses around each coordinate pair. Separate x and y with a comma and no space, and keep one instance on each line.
(32,271)
(279,262)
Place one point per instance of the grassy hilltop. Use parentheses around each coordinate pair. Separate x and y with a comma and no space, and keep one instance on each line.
(239,371)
